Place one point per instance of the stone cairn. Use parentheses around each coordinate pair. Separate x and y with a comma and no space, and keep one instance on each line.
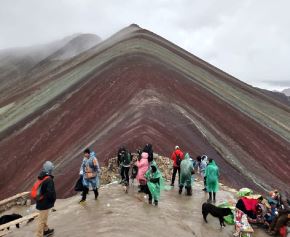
(111,172)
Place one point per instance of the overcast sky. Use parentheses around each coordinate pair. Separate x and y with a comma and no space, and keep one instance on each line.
(249,39)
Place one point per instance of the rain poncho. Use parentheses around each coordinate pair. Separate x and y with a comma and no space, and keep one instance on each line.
(91,171)
(212,177)
(186,168)
(154,181)
(230,218)
(245,192)
(202,166)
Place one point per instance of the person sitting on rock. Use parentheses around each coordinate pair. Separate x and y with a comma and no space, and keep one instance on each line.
(186,171)
(154,182)
(250,206)
(283,215)
(91,171)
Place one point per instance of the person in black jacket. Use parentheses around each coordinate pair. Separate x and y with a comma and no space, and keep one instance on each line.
(47,200)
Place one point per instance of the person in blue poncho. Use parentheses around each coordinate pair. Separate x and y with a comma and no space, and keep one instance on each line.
(91,170)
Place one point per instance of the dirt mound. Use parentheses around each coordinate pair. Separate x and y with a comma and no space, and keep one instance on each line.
(111,172)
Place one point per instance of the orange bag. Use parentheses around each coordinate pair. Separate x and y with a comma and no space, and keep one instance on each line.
(36,188)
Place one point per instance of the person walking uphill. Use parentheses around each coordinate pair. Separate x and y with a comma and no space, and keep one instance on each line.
(186,171)
(212,180)
(154,182)
(91,171)
(177,157)
(43,192)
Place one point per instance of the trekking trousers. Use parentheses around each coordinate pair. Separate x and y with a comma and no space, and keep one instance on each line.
(42,222)
(125,174)
(175,169)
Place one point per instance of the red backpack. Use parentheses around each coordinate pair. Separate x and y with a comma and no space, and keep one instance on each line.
(36,188)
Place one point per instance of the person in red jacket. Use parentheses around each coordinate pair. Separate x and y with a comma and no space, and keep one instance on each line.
(177,157)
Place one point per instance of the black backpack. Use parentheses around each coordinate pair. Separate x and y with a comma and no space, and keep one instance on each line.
(134,172)
(178,160)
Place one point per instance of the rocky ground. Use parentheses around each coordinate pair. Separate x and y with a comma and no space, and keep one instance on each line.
(110,173)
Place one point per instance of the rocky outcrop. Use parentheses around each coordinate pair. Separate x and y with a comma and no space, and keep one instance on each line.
(111,172)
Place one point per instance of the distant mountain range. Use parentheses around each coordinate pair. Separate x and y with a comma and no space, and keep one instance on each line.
(134,88)
(286,91)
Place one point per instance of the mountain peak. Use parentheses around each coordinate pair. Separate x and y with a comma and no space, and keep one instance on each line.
(136,88)
(286,91)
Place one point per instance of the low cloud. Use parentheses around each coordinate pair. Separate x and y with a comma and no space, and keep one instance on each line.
(248,39)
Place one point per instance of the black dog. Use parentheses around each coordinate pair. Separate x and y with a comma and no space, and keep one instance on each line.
(7,218)
(216,212)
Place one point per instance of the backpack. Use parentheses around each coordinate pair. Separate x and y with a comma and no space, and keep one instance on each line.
(127,159)
(178,159)
(79,185)
(36,189)
(134,172)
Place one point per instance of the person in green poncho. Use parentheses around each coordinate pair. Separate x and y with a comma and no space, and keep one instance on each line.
(154,182)
(212,180)
(186,171)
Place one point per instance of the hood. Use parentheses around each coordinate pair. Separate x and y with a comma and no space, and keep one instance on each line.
(212,163)
(46,170)
(42,174)
(186,156)
(93,154)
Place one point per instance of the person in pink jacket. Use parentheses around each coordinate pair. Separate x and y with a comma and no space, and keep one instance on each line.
(143,166)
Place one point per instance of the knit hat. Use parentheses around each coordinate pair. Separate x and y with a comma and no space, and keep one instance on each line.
(176,147)
(48,167)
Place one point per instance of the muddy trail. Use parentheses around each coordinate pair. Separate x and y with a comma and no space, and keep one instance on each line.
(118,214)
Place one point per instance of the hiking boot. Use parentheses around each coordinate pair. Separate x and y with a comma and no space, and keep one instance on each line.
(180,191)
(268,231)
(82,201)
(155,203)
(172,185)
(48,232)
(150,201)
(209,200)
(273,233)
(96,194)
